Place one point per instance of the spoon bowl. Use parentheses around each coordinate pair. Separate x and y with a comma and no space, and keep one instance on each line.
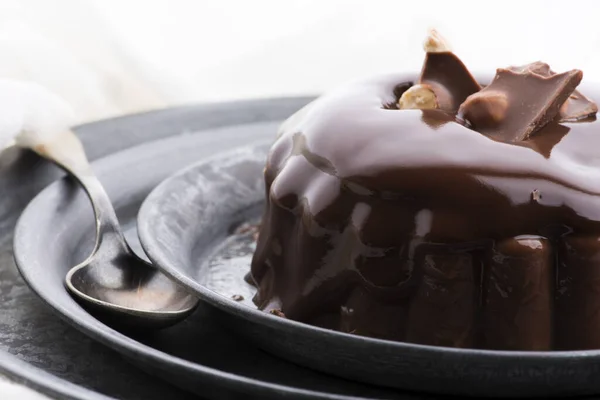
(114,283)
(126,284)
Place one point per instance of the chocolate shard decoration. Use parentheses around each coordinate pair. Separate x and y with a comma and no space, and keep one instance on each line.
(445,82)
(576,108)
(449,79)
(519,101)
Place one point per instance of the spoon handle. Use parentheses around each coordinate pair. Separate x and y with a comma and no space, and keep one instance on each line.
(68,153)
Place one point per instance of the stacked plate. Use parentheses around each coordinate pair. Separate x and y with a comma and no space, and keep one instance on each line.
(183,182)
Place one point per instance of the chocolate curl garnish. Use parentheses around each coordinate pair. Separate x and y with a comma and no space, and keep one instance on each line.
(519,101)
(576,108)
(444,83)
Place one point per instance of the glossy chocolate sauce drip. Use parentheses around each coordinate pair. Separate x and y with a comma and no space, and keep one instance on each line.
(407,225)
(518,297)
(443,307)
(577,294)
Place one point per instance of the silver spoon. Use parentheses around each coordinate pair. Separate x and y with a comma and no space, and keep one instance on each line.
(113,281)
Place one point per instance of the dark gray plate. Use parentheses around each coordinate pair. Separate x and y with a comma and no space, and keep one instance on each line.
(56,231)
(186,223)
(42,351)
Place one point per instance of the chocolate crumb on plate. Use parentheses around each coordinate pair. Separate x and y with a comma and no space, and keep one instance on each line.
(237,297)
(277,312)
(249,229)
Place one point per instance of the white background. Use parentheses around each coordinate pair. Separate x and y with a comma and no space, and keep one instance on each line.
(111,57)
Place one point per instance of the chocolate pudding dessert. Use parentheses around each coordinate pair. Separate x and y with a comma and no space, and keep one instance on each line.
(439,210)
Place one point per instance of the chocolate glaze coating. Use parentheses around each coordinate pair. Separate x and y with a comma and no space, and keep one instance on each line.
(397,224)
(518,292)
(443,307)
(577,293)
